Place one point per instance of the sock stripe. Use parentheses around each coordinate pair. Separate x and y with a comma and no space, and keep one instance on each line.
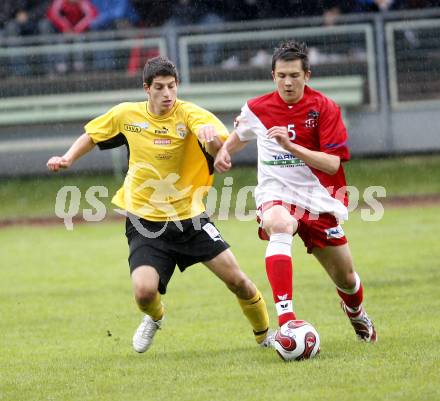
(352,299)
(352,290)
(259,333)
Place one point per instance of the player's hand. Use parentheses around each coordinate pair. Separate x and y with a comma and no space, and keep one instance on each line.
(207,133)
(222,161)
(56,163)
(280,134)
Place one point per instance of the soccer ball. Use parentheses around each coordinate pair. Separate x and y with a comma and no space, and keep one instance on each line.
(297,340)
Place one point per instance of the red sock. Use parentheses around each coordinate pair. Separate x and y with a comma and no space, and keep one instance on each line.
(279,273)
(353,301)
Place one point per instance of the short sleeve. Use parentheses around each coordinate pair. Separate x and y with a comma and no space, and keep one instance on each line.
(333,135)
(197,117)
(103,128)
(247,125)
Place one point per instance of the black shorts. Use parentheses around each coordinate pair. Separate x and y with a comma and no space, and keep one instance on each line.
(163,245)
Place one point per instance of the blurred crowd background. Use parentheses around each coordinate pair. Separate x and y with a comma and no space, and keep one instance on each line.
(34,17)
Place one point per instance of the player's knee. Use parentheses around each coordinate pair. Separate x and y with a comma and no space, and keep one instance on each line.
(287,226)
(237,282)
(144,294)
(349,280)
(345,280)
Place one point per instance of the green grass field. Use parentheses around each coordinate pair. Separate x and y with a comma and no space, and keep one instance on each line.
(67,318)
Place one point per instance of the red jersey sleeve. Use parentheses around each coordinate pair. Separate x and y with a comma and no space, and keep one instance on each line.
(333,135)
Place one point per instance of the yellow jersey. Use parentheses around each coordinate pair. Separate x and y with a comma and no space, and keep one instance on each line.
(169,170)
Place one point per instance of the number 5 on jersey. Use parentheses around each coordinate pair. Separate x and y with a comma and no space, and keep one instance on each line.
(291,131)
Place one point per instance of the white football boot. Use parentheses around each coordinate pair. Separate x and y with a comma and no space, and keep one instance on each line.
(268,342)
(362,324)
(143,337)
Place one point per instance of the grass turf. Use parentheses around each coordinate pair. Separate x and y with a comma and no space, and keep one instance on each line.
(67,317)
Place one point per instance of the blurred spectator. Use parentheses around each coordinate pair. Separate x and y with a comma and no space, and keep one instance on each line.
(202,13)
(7,9)
(68,17)
(112,15)
(410,35)
(6,13)
(71,16)
(184,12)
(299,8)
(411,4)
(332,9)
(329,9)
(247,10)
(152,13)
(20,18)
(375,5)
(211,12)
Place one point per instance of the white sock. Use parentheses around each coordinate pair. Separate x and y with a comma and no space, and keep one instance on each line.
(279,244)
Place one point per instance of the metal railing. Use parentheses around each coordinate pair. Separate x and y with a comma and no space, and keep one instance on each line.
(218,97)
(413,54)
(336,51)
(70,64)
(231,52)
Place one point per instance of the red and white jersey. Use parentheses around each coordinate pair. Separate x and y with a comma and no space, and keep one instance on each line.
(314,122)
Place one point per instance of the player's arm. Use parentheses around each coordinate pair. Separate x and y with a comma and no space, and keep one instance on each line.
(232,145)
(80,147)
(207,135)
(320,160)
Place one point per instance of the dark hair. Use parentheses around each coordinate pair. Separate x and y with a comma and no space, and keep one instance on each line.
(158,66)
(291,50)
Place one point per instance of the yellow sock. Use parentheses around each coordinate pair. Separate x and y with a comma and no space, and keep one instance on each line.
(256,312)
(154,309)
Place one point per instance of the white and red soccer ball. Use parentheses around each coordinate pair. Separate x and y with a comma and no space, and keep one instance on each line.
(296,340)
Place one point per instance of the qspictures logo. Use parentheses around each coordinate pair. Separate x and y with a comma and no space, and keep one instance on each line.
(164,190)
